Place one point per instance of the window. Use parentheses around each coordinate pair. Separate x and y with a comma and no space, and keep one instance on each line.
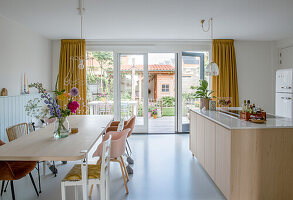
(165,88)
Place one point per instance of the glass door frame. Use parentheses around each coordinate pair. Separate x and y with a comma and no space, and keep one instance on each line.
(117,90)
(178,79)
(178,86)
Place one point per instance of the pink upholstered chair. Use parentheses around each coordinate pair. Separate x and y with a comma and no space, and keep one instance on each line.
(118,145)
(130,123)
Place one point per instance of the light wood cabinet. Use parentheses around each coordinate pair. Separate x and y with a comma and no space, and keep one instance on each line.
(210,147)
(211,144)
(192,137)
(223,159)
(252,164)
(200,139)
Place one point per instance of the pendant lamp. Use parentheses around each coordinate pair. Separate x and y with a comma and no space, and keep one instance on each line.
(212,68)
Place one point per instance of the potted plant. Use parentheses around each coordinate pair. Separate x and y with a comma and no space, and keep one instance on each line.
(155,113)
(203,93)
(150,112)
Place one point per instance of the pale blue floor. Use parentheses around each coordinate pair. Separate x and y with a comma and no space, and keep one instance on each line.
(164,169)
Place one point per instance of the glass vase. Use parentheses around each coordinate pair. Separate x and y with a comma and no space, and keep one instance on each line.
(61,128)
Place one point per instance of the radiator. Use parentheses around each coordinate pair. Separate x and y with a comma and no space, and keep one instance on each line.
(12,111)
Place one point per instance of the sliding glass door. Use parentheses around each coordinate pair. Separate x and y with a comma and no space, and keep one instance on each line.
(155,87)
(192,70)
(161,92)
(133,94)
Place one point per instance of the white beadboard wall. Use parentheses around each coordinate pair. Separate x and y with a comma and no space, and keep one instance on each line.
(12,112)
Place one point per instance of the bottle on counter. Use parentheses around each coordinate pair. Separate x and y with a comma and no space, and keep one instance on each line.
(253,109)
(244,106)
(250,109)
(248,106)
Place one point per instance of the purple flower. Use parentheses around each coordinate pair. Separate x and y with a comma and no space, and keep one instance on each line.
(74,92)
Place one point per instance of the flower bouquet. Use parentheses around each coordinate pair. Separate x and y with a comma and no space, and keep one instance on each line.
(61,125)
(37,112)
(224,101)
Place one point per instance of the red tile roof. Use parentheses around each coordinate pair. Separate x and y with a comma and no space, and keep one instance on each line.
(93,62)
(151,68)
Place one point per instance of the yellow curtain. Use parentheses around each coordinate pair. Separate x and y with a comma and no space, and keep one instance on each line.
(226,84)
(69,74)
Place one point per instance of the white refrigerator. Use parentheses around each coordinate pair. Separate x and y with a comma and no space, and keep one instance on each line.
(284,93)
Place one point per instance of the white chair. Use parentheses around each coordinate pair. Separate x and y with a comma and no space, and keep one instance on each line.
(102,109)
(98,174)
(108,109)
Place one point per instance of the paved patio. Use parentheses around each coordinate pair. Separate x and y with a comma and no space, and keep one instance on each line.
(162,124)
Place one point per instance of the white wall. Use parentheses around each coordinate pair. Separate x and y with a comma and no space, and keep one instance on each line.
(22,50)
(56,46)
(256,72)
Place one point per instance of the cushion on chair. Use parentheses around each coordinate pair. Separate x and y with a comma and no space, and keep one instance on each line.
(130,124)
(117,143)
(94,172)
(111,128)
(1,143)
(14,170)
(127,124)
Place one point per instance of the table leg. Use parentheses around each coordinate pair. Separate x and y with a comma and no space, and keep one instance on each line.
(108,183)
(44,168)
(84,171)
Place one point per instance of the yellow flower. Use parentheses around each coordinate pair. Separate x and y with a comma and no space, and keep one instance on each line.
(62,97)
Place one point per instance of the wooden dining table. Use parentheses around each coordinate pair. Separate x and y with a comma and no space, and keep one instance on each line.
(41,145)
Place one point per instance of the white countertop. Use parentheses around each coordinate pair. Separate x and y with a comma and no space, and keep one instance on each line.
(231,122)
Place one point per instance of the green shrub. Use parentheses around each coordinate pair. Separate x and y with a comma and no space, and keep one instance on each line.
(188,96)
(125,96)
(168,101)
(168,111)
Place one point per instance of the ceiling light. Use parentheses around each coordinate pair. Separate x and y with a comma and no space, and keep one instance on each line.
(212,68)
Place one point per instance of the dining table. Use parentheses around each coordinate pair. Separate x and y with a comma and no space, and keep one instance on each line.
(40,145)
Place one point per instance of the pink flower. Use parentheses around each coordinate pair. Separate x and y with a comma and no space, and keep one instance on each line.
(73,106)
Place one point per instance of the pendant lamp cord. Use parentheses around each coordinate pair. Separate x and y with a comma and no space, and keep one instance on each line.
(81,21)
(212,29)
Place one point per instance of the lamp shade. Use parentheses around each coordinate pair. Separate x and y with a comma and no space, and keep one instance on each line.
(212,69)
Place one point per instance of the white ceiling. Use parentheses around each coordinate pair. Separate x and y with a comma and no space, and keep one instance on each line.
(154,19)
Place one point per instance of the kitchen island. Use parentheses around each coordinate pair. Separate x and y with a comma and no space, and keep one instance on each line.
(245,160)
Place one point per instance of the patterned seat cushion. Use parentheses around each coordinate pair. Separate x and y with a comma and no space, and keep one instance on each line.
(94,172)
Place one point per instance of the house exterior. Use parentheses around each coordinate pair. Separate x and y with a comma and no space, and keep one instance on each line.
(161,78)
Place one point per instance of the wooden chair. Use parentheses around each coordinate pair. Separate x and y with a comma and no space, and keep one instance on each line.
(15,170)
(19,130)
(98,174)
(16,131)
